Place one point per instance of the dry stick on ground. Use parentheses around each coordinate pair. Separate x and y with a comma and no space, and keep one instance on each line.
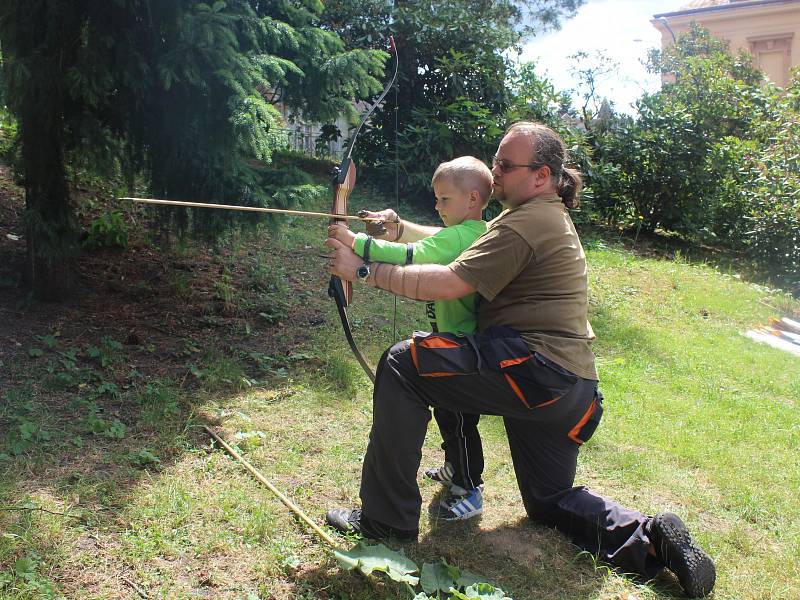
(135,587)
(288,503)
(49,512)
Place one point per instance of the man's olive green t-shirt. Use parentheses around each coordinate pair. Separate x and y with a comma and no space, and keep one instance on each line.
(530,271)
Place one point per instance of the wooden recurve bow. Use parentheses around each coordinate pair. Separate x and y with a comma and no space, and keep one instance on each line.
(344,181)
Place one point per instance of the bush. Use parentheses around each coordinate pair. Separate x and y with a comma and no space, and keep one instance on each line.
(661,167)
(107,231)
(757,208)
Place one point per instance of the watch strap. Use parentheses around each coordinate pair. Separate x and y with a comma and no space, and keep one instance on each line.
(367,244)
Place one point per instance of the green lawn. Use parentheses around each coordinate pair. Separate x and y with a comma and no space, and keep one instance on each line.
(699,420)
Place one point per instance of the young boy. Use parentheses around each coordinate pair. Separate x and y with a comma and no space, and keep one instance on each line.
(462,187)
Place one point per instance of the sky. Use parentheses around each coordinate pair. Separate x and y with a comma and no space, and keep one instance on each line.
(621,29)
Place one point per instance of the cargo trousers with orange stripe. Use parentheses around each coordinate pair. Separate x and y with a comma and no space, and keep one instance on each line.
(548,413)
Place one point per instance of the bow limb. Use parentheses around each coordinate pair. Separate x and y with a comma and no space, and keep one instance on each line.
(342,291)
(343,183)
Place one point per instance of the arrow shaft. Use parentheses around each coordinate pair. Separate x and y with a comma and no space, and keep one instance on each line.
(282,211)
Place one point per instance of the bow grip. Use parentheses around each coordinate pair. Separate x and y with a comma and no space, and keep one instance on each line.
(344,181)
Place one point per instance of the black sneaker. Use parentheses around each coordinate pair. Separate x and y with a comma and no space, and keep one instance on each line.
(674,547)
(352,520)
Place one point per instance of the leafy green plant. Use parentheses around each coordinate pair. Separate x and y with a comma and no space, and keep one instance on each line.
(97,425)
(26,578)
(248,440)
(369,558)
(109,230)
(659,168)
(143,458)
(439,581)
(106,388)
(48,340)
(758,204)
(64,371)
(25,434)
(109,353)
(268,364)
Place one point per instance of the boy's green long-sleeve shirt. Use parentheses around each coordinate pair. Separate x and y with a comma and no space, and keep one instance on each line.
(455,316)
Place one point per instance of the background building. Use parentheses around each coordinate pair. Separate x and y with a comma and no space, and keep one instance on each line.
(768,29)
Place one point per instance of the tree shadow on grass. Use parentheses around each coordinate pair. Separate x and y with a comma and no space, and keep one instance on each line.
(531,561)
(527,561)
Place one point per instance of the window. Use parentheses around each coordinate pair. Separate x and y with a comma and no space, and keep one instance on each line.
(773,55)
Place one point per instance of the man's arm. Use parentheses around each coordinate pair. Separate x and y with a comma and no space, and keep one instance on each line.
(418,282)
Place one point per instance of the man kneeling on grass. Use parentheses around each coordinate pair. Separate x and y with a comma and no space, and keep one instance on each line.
(530,363)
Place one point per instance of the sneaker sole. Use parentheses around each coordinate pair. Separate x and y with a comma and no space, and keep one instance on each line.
(451,516)
(696,573)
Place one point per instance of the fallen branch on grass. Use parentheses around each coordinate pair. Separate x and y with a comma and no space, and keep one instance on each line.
(39,508)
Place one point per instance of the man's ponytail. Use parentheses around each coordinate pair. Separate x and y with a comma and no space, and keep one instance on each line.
(569,187)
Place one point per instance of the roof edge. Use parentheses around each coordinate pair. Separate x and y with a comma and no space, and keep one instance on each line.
(722,7)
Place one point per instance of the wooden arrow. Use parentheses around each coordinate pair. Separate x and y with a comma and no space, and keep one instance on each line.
(282,211)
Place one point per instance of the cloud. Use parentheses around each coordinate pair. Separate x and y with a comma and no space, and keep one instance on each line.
(621,30)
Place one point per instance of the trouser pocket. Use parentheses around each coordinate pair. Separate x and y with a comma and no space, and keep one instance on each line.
(585,428)
(534,379)
(538,382)
(443,354)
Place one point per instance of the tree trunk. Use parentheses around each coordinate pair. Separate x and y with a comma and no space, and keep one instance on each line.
(49,224)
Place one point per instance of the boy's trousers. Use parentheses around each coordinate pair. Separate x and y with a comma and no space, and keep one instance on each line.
(462,446)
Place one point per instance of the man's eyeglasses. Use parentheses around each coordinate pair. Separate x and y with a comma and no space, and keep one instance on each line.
(506,166)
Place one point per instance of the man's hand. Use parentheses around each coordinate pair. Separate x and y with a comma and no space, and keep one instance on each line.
(342,233)
(385,229)
(343,261)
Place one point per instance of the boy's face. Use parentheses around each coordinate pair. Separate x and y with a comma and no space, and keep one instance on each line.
(454,205)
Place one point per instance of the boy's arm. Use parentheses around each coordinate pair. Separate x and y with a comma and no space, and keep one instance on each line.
(441,248)
(380,250)
(414,233)
(396,229)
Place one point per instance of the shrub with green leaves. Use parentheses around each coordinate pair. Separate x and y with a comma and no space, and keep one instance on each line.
(763,187)
(663,159)
(109,230)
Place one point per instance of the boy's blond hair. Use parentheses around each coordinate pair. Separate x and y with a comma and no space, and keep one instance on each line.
(467,173)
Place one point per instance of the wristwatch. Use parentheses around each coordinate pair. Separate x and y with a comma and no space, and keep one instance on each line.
(363,271)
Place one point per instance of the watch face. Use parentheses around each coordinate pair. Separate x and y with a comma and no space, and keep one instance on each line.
(362,272)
